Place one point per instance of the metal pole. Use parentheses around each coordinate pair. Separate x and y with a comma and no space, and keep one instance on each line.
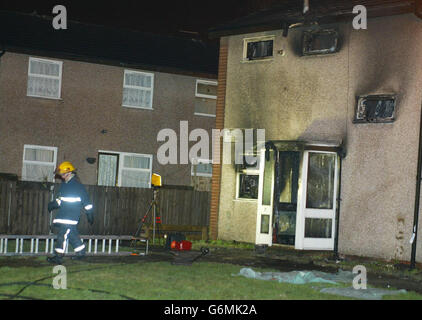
(417,197)
(51,213)
(153,222)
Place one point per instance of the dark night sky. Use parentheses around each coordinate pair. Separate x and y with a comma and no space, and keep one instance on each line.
(157,16)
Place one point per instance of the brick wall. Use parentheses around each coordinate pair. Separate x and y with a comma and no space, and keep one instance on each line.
(219,123)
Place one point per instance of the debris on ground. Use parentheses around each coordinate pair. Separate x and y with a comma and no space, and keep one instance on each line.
(302,277)
(298,277)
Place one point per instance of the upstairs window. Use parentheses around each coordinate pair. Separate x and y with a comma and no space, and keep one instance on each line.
(205,98)
(44,78)
(258,48)
(375,109)
(39,163)
(319,42)
(138,89)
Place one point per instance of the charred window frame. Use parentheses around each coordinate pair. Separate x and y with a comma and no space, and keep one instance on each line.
(247,185)
(258,48)
(375,109)
(319,42)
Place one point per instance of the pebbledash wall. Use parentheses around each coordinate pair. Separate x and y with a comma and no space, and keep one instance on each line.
(299,98)
(91,101)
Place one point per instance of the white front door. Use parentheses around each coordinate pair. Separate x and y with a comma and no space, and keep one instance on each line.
(264,215)
(315,220)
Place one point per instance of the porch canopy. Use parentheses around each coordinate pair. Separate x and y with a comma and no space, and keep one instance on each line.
(300,145)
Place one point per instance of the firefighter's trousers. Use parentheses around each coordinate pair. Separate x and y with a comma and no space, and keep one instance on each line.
(68,234)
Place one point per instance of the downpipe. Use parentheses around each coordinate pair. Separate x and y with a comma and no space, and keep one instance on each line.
(414,237)
(341,155)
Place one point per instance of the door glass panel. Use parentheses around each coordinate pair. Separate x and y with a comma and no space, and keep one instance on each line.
(107,169)
(268,178)
(318,228)
(289,175)
(287,186)
(320,185)
(265,223)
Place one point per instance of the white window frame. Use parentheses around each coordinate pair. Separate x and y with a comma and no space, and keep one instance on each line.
(196,161)
(247,172)
(121,164)
(201,95)
(31,146)
(59,77)
(206,96)
(256,39)
(126,71)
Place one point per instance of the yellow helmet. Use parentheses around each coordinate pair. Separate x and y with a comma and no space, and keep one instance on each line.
(65,167)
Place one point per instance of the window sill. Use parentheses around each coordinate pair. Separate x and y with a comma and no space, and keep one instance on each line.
(244,60)
(133,107)
(205,115)
(43,97)
(245,200)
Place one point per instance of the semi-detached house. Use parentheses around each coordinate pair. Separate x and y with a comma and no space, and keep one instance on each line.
(341,111)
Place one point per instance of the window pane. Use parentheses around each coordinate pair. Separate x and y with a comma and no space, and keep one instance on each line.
(33,154)
(133,178)
(248,186)
(46,87)
(318,228)
(259,49)
(207,89)
(107,169)
(137,79)
(320,185)
(268,179)
(205,106)
(37,172)
(137,97)
(265,223)
(44,68)
(137,162)
(204,168)
(289,172)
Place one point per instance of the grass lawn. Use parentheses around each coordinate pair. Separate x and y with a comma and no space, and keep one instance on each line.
(152,280)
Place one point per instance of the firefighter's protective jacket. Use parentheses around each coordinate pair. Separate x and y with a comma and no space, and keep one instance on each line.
(71,198)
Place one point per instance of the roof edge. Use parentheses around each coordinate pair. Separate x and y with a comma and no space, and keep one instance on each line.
(341,15)
(104,61)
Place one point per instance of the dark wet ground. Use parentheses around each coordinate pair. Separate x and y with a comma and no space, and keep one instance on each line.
(274,259)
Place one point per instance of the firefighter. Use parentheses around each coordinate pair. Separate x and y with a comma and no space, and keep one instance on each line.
(70,199)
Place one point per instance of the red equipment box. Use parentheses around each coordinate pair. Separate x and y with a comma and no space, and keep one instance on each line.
(183,245)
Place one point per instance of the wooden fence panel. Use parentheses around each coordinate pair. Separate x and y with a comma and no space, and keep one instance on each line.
(4,192)
(118,211)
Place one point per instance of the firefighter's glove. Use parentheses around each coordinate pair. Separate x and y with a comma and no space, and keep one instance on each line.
(52,205)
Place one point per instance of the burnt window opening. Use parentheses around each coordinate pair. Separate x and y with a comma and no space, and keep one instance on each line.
(375,109)
(248,186)
(320,42)
(259,49)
